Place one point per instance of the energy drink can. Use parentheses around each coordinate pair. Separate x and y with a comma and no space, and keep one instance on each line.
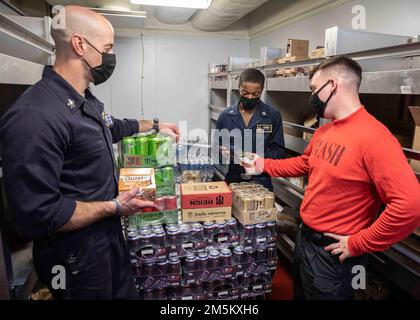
(249,231)
(247,203)
(150,268)
(173,235)
(202,262)
(158,177)
(209,228)
(226,258)
(261,233)
(146,239)
(197,232)
(259,201)
(232,223)
(142,146)
(222,232)
(174,265)
(162,267)
(214,259)
(191,262)
(271,227)
(133,241)
(238,255)
(269,200)
(171,203)
(168,174)
(154,145)
(160,237)
(129,146)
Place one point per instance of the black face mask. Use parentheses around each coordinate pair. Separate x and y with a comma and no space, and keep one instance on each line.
(317,103)
(104,71)
(249,104)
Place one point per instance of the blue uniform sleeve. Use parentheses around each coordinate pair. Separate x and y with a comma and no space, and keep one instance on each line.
(123,128)
(276,148)
(223,134)
(34,144)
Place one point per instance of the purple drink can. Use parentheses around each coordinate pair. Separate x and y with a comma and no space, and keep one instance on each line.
(160,237)
(162,267)
(202,262)
(239,255)
(191,262)
(174,265)
(226,258)
(249,231)
(214,259)
(209,228)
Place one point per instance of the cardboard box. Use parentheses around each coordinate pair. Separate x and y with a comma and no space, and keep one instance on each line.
(296,47)
(206,201)
(142,178)
(290,59)
(317,53)
(415,112)
(253,217)
(309,123)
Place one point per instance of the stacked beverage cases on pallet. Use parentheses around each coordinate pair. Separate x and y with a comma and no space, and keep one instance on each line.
(214,260)
(149,151)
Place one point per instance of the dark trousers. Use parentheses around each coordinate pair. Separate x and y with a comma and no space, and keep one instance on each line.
(317,274)
(97,264)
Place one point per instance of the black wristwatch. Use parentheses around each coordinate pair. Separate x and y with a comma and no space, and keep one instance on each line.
(155,125)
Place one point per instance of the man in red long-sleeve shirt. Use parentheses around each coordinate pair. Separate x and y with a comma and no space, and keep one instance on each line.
(354,165)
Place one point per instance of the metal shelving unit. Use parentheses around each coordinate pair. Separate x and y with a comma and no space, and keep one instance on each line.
(393,70)
(25,47)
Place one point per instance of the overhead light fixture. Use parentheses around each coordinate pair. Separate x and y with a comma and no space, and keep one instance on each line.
(195,4)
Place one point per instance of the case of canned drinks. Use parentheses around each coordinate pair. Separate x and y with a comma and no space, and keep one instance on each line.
(185,238)
(223,290)
(221,234)
(147,243)
(209,266)
(147,151)
(249,263)
(165,181)
(256,287)
(252,203)
(260,235)
(157,274)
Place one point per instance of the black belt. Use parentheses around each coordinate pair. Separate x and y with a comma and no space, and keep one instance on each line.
(316,237)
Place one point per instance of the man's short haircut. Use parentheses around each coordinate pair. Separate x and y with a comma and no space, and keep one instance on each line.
(341,64)
(252,75)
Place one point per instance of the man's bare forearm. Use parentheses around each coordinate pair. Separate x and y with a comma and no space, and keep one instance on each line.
(87,213)
(145,125)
